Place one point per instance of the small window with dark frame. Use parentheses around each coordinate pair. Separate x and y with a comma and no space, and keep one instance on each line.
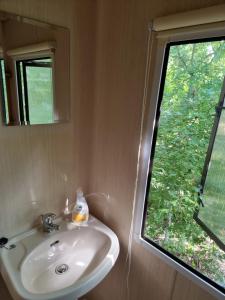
(35,90)
(186,180)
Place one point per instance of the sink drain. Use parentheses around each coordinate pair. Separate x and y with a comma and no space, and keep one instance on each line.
(61,269)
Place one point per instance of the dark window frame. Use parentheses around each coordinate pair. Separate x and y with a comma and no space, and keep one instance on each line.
(152,153)
(219,108)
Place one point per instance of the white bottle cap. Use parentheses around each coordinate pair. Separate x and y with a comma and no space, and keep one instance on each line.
(79,193)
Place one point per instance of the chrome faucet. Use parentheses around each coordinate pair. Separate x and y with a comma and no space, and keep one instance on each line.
(47,221)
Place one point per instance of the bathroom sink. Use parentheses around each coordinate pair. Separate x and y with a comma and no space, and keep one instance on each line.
(61,265)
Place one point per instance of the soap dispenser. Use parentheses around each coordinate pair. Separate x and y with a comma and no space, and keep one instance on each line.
(80,213)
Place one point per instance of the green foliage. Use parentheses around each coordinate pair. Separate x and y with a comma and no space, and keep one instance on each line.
(40,94)
(212,214)
(193,82)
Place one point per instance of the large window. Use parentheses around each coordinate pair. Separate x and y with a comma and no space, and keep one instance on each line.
(185,198)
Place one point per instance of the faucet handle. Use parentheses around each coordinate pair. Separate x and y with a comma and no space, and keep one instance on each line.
(48,218)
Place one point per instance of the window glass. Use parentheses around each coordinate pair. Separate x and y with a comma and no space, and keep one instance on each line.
(36,90)
(194,73)
(212,212)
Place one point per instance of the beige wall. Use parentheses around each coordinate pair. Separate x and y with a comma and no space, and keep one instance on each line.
(34,161)
(119,83)
(98,148)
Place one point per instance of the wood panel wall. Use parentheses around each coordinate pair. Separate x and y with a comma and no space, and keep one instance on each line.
(122,28)
(41,165)
(99,147)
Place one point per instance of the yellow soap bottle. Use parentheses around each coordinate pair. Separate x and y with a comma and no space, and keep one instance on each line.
(80,213)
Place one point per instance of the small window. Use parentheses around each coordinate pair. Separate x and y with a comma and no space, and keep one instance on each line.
(186,180)
(35,90)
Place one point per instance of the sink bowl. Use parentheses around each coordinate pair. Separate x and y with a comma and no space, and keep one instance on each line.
(61,265)
(54,265)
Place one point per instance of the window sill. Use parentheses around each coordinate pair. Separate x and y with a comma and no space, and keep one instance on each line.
(180,268)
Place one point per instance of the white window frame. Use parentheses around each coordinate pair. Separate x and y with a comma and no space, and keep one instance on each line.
(155,59)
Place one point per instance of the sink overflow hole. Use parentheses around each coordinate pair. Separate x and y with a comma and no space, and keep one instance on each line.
(61,269)
(54,243)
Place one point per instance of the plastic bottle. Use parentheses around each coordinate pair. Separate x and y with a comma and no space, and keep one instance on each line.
(67,212)
(80,213)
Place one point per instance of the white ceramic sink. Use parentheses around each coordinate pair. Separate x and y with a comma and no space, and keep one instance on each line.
(61,265)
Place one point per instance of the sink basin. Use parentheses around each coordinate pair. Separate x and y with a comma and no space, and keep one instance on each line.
(61,265)
(54,265)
